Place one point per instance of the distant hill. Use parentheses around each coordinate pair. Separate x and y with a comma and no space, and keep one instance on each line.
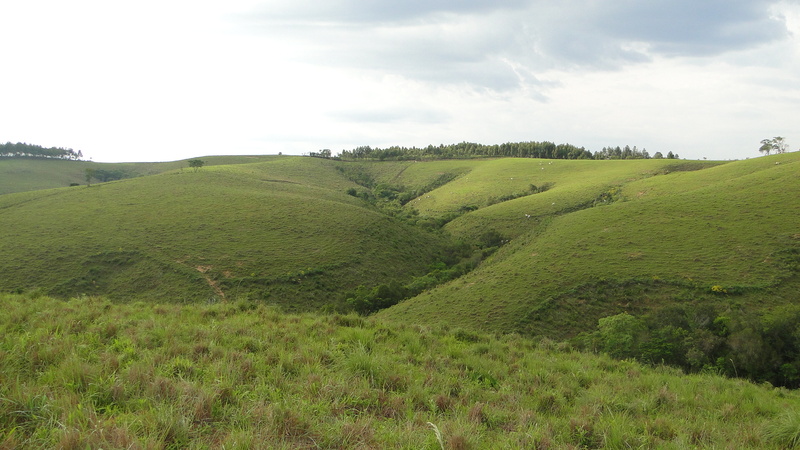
(20,174)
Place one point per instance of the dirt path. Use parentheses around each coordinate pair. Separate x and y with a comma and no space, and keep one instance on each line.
(214,285)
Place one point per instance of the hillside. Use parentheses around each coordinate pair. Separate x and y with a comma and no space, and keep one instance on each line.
(582,239)
(30,174)
(283,231)
(614,236)
(90,373)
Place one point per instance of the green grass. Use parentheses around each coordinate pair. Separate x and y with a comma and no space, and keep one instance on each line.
(283,231)
(89,373)
(29,174)
(603,238)
(726,226)
(173,336)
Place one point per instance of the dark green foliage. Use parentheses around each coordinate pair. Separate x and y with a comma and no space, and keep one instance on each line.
(533,189)
(388,196)
(458,259)
(111,174)
(391,199)
(324,153)
(366,301)
(622,153)
(530,149)
(735,343)
(357,174)
(196,164)
(104,175)
(544,187)
(23,150)
(490,238)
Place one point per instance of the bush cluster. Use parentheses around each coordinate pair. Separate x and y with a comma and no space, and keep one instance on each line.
(763,348)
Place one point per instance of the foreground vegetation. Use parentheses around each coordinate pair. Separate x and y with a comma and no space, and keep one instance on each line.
(91,373)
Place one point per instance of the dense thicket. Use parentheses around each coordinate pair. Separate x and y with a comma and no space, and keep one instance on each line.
(21,149)
(759,347)
(531,149)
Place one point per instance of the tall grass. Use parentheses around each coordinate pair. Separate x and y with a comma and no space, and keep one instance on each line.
(90,373)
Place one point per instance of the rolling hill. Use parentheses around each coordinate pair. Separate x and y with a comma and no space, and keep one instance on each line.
(176,308)
(30,174)
(283,231)
(582,239)
(614,236)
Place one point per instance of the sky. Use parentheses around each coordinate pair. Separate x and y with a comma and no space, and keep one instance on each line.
(173,79)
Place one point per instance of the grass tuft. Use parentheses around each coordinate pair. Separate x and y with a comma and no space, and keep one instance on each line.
(784,430)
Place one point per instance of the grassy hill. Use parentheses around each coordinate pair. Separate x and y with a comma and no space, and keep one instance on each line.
(186,349)
(283,231)
(89,373)
(29,174)
(585,239)
(606,223)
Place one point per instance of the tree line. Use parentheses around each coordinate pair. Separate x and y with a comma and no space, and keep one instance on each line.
(530,149)
(23,150)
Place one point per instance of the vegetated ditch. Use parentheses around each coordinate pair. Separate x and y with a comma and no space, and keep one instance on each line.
(461,257)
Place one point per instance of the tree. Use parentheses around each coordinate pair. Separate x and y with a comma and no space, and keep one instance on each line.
(658,155)
(777,144)
(196,164)
(23,150)
(90,173)
(766,146)
(620,335)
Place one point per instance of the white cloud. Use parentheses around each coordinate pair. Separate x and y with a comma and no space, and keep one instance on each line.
(167,80)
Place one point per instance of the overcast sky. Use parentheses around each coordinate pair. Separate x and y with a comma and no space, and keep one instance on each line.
(165,80)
